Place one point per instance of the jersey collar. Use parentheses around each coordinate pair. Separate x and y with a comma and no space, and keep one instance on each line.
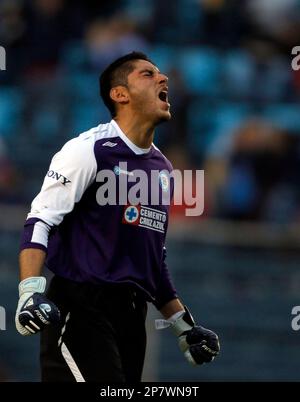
(137,150)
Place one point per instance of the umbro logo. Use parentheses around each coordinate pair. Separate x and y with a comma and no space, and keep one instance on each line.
(119,171)
(109,144)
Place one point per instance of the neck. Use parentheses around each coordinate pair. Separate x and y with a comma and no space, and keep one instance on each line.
(139,132)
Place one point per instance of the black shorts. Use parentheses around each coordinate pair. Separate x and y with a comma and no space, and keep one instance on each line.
(101,337)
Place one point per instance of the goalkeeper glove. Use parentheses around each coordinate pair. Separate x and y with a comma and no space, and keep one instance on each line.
(34,310)
(199,345)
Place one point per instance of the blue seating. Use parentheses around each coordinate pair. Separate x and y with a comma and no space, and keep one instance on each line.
(238,69)
(163,56)
(84,86)
(230,114)
(47,122)
(208,121)
(274,83)
(284,115)
(74,56)
(86,115)
(138,11)
(200,68)
(11,102)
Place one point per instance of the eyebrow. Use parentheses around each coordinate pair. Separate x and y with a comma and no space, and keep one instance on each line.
(147,69)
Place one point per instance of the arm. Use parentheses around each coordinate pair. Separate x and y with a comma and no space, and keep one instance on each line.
(70,173)
(172,307)
(198,344)
(31,262)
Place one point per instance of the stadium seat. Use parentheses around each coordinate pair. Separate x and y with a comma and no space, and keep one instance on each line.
(86,115)
(274,82)
(138,11)
(237,74)
(11,102)
(46,123)
(83,86)
(73,56)
(207,121)
(189,22)
(284,115)
(163,56)
(201,68)
(228,115)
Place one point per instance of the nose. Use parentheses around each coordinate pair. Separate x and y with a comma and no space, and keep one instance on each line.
(163,79)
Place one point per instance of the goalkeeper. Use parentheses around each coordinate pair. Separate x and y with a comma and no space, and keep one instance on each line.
(107,261)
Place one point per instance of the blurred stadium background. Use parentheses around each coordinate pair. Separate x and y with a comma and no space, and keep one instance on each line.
(235,102)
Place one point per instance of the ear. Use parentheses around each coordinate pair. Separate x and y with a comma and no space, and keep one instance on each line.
(119,94)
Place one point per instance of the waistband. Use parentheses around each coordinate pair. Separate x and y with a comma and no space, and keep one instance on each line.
(115,290)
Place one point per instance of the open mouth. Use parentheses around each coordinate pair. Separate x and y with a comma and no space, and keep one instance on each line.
(163,96)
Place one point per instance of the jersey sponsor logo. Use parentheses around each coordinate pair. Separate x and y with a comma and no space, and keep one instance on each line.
(145,217)
(109,144)
(131,214)
(58,176)
(118,171)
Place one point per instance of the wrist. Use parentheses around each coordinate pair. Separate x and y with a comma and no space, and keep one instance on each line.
(179,322)
(182,324)
(176,316)
(33,284)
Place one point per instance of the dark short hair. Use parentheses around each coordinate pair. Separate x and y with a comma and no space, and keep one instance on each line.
(116,74)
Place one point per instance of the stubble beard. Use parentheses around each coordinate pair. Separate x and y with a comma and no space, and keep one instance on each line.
(158,116)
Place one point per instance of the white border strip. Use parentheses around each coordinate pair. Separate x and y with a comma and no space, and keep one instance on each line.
(40,233)
(71,363)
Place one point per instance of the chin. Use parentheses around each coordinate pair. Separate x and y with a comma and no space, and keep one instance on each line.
(165,116)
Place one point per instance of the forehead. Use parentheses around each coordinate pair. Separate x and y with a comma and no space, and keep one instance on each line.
(140,65)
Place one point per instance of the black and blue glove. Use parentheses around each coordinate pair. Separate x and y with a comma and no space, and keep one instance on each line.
(198,344)
(34,310)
